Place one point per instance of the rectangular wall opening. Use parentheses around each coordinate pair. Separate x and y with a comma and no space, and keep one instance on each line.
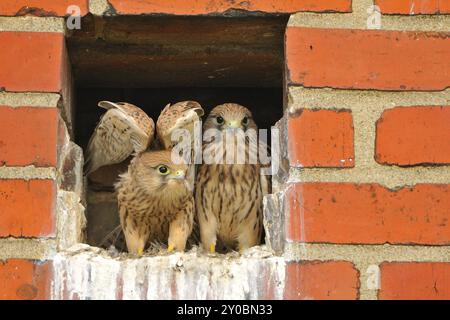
(151,61)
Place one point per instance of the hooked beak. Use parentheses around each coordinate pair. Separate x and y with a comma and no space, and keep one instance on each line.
(179,175)
(233,124)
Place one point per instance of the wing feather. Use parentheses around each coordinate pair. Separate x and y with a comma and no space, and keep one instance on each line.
(123,130)
(181,115)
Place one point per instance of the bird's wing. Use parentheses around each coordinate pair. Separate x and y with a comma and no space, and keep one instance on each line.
(143,127)
(123,130)
(181,115)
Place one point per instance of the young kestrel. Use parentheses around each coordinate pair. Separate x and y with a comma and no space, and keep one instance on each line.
(228,196)
(155,202)
(123,130)
(181,115)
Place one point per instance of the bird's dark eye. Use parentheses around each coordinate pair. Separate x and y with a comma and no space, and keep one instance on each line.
(162,169)
(245,121)
(220,120)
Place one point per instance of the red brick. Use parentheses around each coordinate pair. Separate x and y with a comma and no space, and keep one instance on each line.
(347,213)
(24,280)
(415,281)
(414,135)
(334,280)
(40,7)
(28,136)
(31,61)
(196,7)
(413,6)
(27,208)
(368,59)
(321,138)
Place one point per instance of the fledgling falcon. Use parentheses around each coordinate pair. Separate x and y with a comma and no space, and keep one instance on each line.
(228,197)
(181,115)
(123,130)
(155,201)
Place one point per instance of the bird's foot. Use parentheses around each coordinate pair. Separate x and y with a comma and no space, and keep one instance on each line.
(212,248)
(170,248)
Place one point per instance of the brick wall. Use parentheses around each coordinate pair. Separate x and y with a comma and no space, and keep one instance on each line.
(368,121)
(40,198)
(367,197)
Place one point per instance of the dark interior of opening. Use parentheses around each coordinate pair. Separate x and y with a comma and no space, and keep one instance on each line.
(154,60)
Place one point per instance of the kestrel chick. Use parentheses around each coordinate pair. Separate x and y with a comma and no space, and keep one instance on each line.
(228,197)
(155,202)
(123,130)
(181,115)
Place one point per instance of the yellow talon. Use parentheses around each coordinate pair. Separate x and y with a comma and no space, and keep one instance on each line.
(140,252)
(170,248)
(212,248)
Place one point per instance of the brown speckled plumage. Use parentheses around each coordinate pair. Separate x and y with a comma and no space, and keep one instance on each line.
(180,115)
(123,130)
(155,207)
(228,197)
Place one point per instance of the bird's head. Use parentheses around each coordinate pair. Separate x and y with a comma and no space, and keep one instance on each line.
(162,172)
(230,116)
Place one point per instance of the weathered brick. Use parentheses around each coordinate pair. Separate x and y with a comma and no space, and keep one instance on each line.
(31,61)
(27,208)
(368,59)
(40,7)
(413,135)
(349,213)
(28,136)
(24,279)
(413,6)
(415,281)
(182,7)
(334,280)
(321,138)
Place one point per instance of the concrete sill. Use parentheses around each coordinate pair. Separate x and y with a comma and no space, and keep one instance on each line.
(85,272)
